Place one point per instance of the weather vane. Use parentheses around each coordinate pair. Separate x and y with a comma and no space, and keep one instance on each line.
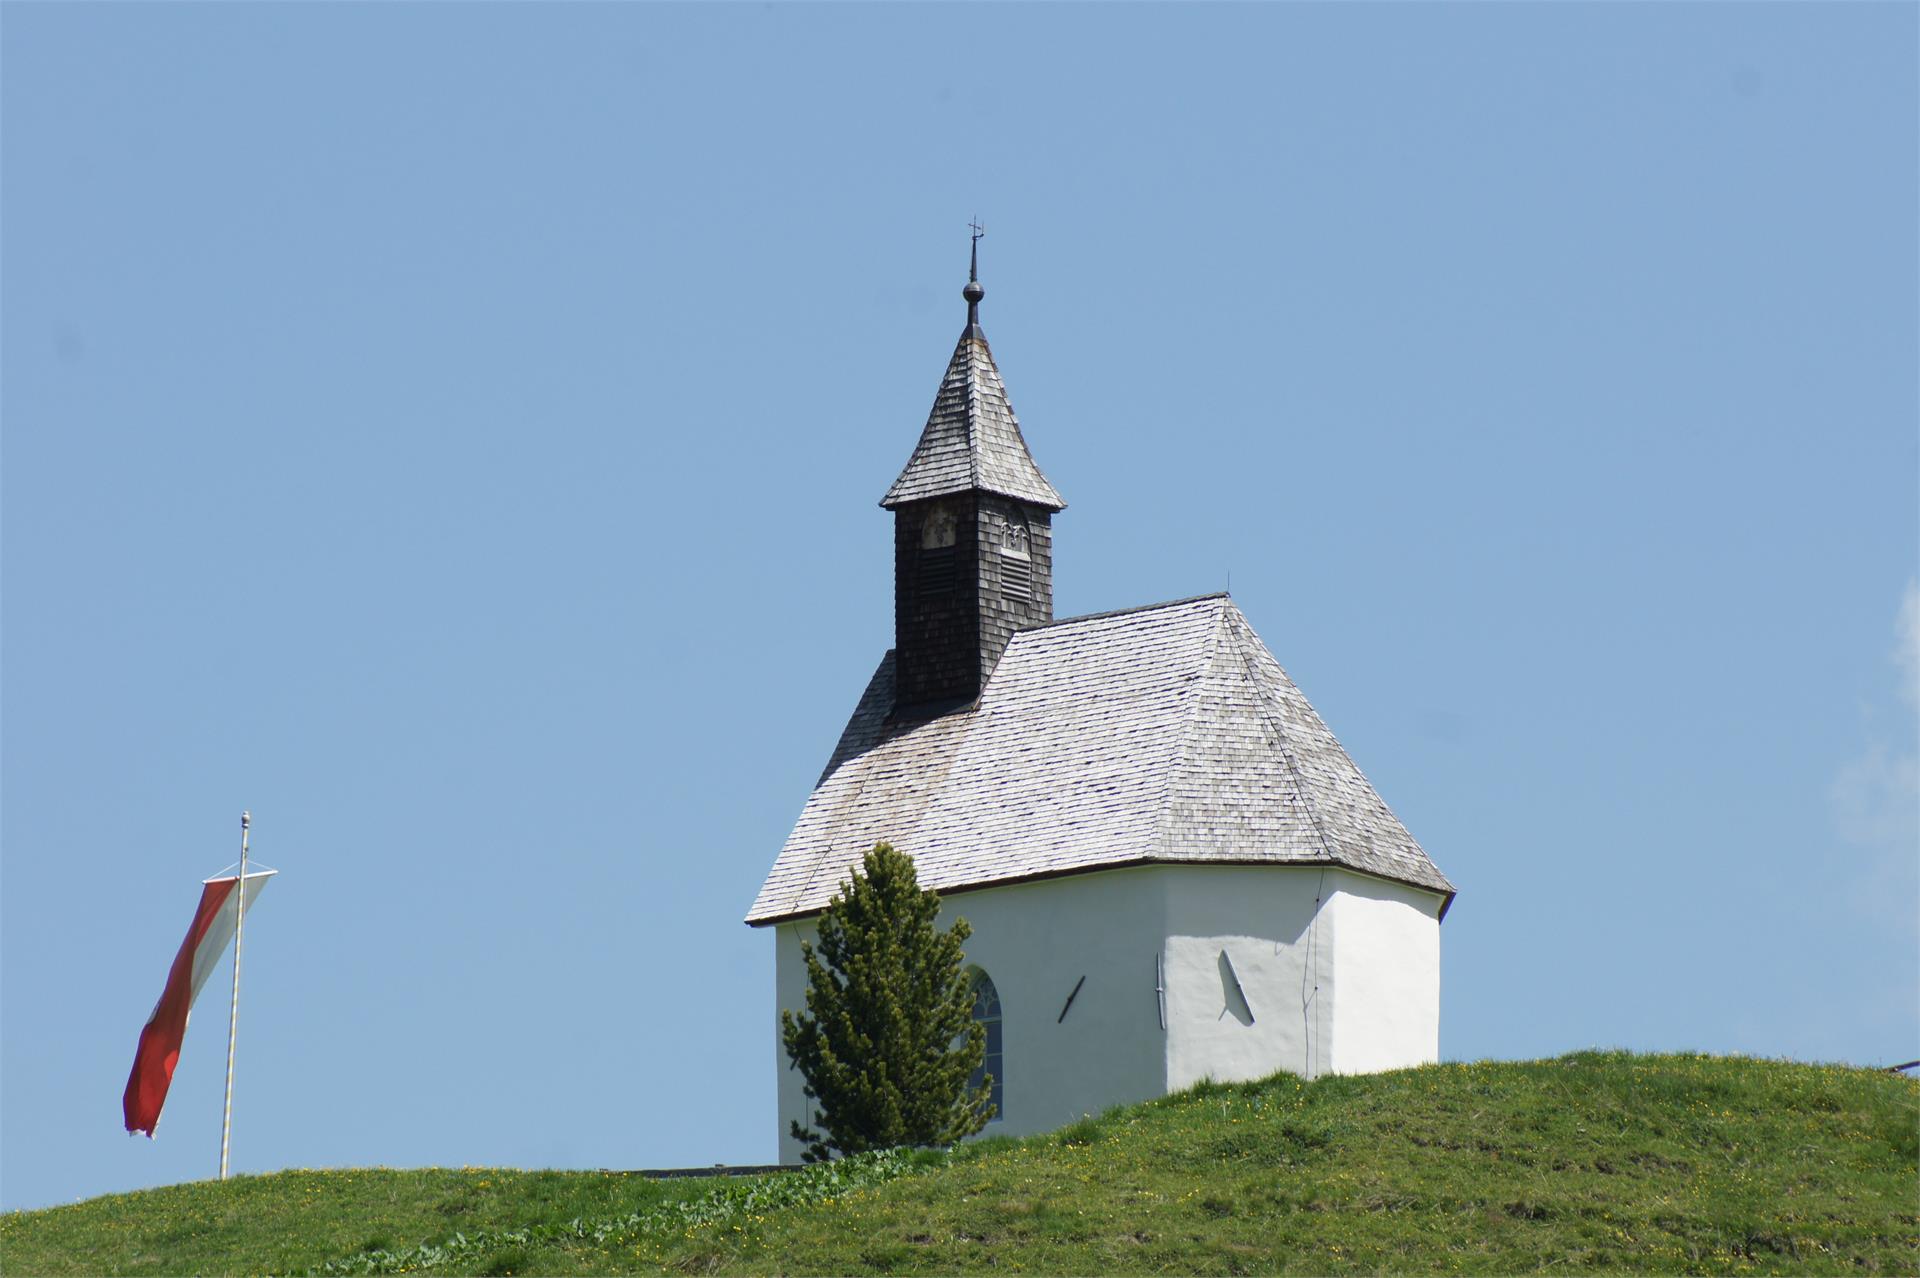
(979,229)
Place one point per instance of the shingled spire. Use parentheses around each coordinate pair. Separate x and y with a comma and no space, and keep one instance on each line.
(972,440)
(973,537)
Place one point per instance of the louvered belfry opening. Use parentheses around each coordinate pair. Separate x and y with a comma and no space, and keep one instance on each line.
(972,532)
(1016,573)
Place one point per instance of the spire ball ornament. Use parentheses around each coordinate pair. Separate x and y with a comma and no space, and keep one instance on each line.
(973,292)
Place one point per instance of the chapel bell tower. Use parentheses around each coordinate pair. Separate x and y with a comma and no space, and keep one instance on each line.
(972,531)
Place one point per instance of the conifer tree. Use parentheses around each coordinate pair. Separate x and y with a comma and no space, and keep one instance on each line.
(888,1041)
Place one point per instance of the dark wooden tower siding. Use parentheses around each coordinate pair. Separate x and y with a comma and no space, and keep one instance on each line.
(969,570)
(1016,572)
(936,623)
(973,533)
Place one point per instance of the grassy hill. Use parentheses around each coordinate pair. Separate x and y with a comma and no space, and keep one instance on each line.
(1595,1161)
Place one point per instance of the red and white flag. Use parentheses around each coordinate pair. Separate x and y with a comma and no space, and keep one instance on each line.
(212,931)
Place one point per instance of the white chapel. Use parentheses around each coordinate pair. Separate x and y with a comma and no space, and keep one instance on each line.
(1172,869)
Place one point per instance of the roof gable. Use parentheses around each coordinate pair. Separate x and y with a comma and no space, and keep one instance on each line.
(1162,734)
(972,439)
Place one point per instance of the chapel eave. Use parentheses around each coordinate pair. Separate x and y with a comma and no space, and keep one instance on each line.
(962,889)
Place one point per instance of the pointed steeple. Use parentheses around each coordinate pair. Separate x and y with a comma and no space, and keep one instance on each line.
(973,531)
(972,440)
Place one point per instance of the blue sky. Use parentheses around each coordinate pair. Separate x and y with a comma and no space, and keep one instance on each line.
(454,433)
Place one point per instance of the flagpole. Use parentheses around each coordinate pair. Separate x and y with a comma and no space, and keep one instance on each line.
(233,1017)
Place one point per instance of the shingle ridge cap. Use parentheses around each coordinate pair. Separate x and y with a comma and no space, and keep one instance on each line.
(974,343)
(1276,725)
(1189,728)
(962,355)
(1122,612)
(1309,800)
(958,725)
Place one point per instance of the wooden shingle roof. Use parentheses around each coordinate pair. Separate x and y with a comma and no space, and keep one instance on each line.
(972,439)
(1161,734)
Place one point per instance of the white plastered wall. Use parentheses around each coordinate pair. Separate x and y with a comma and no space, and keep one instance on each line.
(1339,972)
(1036,940)
(1249,973)
(1386,942)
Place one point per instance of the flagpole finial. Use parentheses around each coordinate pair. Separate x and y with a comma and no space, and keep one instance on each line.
(246,819)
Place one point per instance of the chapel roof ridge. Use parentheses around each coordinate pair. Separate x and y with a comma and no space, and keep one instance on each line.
(1122,612)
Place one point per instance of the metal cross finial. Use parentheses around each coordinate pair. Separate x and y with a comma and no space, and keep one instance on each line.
(973,292)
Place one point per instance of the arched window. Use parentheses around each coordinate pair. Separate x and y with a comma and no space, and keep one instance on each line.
(986,1010)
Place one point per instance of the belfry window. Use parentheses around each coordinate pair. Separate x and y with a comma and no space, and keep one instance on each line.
(986,1010)
(937,532)
(937,569)
(1016,561)
(1015,539)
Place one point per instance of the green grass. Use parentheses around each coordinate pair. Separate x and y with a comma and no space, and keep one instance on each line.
(1597,1162)
(294,1220)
